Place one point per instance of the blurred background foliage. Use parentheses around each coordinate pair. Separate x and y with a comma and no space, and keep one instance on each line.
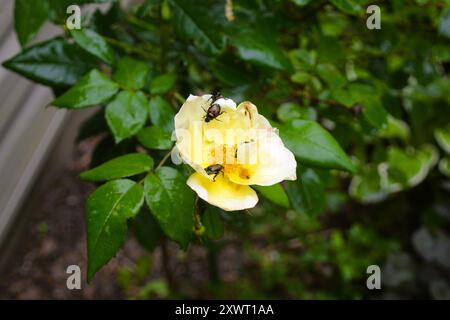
(382,94)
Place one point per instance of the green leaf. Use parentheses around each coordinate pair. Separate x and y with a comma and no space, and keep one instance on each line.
(300,77)
(29,16)
(94,43)
(107,210)
(193,22)
(258,45)
(395,128)
(347,6)
(161,113)
(131,73)
(94,88)
(406,168)
(163,83)
(331,75)
(54,63)
(444,166)
(314,146)
(171,202)
(366,188)
(442,137)
(343,96)
(154,138)
(120,167)
(289,111)
(375,113)
(212,221)
(372,108)
(148,232)
(229,71)
(126,114)
(307,195)
(274,193)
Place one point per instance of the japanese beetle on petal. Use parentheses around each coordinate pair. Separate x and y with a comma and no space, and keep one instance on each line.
(214,169)
(214,109)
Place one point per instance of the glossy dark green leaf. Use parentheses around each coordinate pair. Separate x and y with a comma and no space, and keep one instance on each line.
(94,43)
(274,193)
(256,45)
(307,194)
(148,232)
(107,210)
(229,71)
(94,88)
(212,221)
(193,22)
(161,113)
(29,16)
(121,167)
(163,83)
(131,73)
(314,146)
(171,202)
(55,63)
(127,114)
(154,138)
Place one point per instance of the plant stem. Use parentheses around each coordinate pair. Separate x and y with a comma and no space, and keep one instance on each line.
(128,48)
(163,160)
(179,97)
(166,264)
(197,218)
(141,23)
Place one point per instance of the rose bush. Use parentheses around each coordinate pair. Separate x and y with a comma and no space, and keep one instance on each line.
(363,118)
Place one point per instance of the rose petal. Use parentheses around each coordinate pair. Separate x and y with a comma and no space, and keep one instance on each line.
(223,193)
(267,161)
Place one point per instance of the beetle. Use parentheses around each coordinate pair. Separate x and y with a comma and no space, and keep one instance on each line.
(214,109)
(214,169)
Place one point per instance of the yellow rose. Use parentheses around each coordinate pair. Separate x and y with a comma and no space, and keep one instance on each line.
(236,149)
